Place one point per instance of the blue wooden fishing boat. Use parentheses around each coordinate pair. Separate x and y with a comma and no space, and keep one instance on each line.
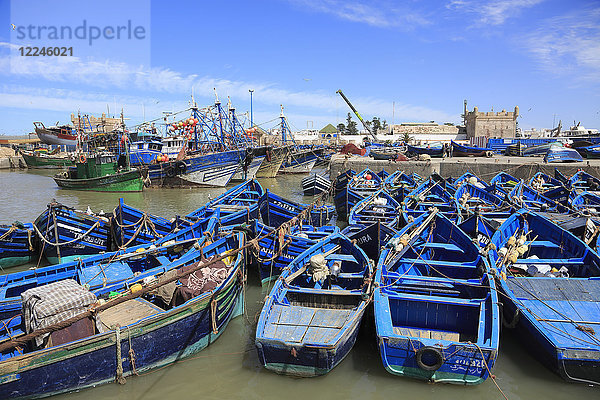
(358,187)
(433,150)
(562,154)
(150,332)
(430,193)
(471,178)
(504,181)
(66,234)
(211,169)
(145,151)
(472,199)
(584,181)
(275,210)
(310,320)
(542,149)
(238,205)
(524,196)
(275,253)
(315,184)
(587,203)
(461,150)
(480,229)
(436,306)
(131,226)
(550,187)
(561,177)
(17,244)
(398,184)
(378,207)
(549,279)
(370,238)
(341,181)
(104,270)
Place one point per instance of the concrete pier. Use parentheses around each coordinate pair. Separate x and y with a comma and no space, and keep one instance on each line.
(12,162)
(485,168)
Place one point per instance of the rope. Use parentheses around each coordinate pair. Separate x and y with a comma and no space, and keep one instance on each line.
(488,369)
(131,353)
(57,244)
(10,230)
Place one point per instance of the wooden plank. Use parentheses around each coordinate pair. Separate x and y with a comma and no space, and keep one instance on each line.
(330,318)
(427,334)
(296,315)
(289,333)
(127,313)
(320,335)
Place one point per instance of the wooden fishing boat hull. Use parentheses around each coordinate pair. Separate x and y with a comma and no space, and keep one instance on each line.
(564,154)
(142,259)
(272,162)
(315,184)
(367,211)
(46,161)
(77,233)
(251,170)
(131,227)
(16,245)
(304,330)
(436,307)
(554,316)
(431,151)
(460,150)
(130,181)
(214,169)
(299,162)
(308,362)
(160,339)
(276,210)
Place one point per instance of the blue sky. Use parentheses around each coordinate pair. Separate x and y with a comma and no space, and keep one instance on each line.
(424,56)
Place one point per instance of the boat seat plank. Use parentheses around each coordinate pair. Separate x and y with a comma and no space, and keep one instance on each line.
(543,243)
(289,333)
(551,261)
(127,313)
(99,275)
(572,289)
(427,334)
(163,260)
(340,257)
(295,315)
(330,318)
(320,335)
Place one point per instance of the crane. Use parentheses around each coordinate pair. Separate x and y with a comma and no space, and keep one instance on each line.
(356,113)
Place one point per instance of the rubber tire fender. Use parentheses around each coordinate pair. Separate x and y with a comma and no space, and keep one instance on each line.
(429,349)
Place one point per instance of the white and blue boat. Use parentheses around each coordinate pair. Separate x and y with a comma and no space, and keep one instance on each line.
(436,306)
(550,283)
(310,320)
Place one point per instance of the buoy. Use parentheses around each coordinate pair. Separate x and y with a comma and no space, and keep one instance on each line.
(136,288)
(368,177)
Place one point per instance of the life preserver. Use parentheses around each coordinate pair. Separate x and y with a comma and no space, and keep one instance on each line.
(433,358)
(82,158)
(489,154)
(171,172)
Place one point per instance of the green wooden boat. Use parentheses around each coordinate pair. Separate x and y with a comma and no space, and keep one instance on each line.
(101,172)
(40,158)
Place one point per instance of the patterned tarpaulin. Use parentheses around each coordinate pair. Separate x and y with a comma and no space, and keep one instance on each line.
(53,303)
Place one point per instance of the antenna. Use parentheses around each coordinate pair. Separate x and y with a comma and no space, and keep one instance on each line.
(216,96)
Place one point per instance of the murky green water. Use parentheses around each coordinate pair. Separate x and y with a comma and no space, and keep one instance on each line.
(229,368)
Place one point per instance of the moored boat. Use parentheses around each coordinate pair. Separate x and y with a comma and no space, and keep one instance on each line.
(549,279)
(462,150)
(436,306)
(101,172)
(17,244)
(315,184)
(41,158)
(179,329)
(310,320)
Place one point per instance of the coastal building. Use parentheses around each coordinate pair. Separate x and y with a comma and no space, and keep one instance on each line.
(491,124)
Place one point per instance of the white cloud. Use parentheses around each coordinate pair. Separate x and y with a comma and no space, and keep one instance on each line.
(380,13)
(101,83)
(568,44)
(494,12)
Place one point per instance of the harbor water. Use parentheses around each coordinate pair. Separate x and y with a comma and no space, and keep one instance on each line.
(229,368)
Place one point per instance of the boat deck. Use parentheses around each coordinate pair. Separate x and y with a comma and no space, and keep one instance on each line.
(305,324)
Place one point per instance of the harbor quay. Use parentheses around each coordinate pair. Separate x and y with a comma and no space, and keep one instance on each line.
(485,168)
